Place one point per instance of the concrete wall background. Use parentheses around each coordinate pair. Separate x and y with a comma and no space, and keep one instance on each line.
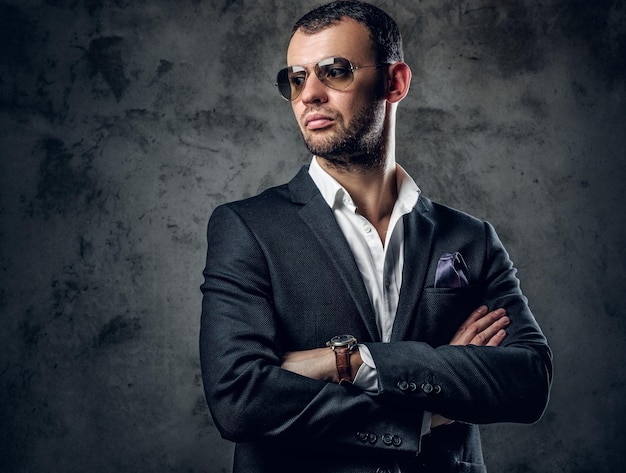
(124,123)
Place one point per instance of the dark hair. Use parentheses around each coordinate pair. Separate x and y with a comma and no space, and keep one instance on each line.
(383,29)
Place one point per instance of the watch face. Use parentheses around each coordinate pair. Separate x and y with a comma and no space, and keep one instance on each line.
(342,340)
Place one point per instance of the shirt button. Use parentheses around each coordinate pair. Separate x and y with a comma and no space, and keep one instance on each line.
(367,229)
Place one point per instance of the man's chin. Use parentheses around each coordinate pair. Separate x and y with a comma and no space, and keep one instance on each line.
(320,147)
(339,152)
(326,152)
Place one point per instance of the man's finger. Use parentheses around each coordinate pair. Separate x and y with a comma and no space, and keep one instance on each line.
(496,339)
(463,335)
(486,332)
(480,327)
(474,316)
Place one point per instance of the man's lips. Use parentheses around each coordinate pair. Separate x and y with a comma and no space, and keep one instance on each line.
(316,121)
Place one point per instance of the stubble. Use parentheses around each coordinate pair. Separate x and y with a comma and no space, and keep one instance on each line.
(359,146)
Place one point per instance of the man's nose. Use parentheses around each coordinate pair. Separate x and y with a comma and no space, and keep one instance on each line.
(314,90)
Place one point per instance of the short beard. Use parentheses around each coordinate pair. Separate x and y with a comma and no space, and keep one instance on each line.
(357,147)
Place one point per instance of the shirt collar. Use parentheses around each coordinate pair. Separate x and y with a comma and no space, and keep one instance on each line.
(336,195)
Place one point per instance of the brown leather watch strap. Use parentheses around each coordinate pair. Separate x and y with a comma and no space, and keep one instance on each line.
(342,358)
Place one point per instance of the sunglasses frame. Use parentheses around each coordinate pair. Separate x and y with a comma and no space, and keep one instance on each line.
(322,75)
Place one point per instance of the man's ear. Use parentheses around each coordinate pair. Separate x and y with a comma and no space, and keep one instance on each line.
(398,81)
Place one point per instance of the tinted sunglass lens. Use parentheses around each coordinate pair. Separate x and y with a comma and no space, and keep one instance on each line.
(283,84)
(335,72)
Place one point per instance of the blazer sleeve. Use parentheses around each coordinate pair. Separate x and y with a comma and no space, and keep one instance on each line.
(250,397)
(508,383)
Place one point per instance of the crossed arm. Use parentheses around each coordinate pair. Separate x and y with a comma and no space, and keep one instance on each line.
(482,328)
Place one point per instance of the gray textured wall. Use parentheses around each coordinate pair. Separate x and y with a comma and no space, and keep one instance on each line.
(124,123)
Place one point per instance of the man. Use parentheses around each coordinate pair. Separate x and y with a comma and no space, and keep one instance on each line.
(348,322)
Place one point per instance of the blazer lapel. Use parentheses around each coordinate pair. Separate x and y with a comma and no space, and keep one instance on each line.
(320,219)
(418,241)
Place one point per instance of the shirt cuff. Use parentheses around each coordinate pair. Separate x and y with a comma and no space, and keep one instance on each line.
(366,378)
(426,421)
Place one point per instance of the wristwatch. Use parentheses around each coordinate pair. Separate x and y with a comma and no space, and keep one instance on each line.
(343,345)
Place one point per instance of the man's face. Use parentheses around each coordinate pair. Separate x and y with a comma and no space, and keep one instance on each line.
(339,125)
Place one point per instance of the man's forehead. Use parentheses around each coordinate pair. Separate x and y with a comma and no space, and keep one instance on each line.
(347,38)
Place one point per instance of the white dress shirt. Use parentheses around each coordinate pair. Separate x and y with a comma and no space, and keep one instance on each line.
(380,264)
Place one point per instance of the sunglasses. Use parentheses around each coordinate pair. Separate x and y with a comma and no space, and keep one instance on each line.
(334,72)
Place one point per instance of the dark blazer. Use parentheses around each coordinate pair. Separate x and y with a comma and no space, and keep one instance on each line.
(281,277)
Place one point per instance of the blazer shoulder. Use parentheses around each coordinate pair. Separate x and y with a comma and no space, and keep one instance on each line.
(448,216)
(270,197)
(275,202)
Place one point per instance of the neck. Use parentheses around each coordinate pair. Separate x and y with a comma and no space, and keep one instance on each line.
(372,187)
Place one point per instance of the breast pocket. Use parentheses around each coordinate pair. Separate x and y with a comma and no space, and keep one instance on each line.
(442,311)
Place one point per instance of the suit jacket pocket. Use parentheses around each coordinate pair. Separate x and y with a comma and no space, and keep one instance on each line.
(442,311)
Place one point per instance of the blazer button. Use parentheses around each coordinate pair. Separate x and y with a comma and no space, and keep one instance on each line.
(427,388)
(387,439)
(372,438)
(403,385)
(412,386)
(396,440)
(437,389)
(362,436)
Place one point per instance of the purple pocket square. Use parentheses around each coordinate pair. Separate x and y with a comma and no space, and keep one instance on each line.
(451,271)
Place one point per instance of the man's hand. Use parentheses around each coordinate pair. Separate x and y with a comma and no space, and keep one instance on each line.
(482,328)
